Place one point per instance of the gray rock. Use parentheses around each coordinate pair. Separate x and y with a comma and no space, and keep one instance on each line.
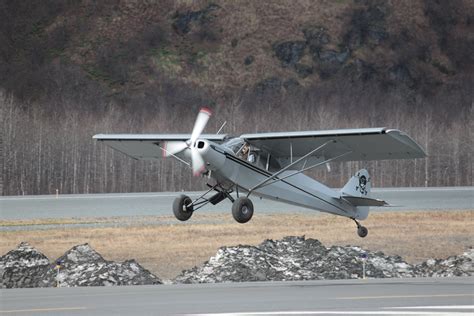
(80,266)
(330,61)
(462,265)
(24,267)
(316,37)
(297,258)
(183,21)
(289,53)
(83,266)
(367,27)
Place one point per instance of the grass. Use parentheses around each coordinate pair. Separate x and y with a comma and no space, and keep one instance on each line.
(166,60)
(166,249)
(49,221)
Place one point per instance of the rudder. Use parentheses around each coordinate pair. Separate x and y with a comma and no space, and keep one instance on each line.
(359,186)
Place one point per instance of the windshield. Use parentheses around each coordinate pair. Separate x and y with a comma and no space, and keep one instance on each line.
(234,144)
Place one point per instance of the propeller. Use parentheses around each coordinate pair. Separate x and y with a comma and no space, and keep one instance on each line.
(174,147)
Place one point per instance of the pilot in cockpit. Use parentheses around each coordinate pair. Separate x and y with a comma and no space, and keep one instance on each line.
(247,154)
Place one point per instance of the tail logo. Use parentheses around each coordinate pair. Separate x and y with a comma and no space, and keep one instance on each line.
(362,188)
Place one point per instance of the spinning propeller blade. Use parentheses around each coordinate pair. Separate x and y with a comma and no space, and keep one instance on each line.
(197,161)
(201,121)
(175,147)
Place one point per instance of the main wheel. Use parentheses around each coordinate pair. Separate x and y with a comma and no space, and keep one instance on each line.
(242,210)
(362,231)
(181,209)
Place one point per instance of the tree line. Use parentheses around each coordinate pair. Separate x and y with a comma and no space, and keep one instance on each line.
(44,148)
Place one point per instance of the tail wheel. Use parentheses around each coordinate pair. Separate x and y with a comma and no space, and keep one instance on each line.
(242,210)
(362,231)
(181,207)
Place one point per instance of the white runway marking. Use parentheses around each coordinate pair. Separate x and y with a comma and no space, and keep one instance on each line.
(341,312)
(402,296)
(469,307)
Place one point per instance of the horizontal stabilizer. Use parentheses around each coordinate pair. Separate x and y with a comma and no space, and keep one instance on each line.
(363,201)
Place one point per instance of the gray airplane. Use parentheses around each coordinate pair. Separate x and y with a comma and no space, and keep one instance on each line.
(271,165)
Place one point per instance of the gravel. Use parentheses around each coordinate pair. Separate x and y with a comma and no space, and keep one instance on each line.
(297,258)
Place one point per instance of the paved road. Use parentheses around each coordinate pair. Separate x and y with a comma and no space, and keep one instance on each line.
(137,204)
(361,297)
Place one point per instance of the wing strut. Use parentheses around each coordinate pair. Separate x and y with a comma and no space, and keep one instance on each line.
(305,169)
(171,154)
(261,184)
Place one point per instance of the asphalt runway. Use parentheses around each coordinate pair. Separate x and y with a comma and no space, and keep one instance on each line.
(140,204)
(436,296)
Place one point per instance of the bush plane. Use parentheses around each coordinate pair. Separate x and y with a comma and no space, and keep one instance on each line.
(271,165)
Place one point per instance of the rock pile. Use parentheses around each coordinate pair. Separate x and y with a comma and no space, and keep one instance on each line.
(297,258)
(79,266)
(462,265)
(291,258)
(24,267)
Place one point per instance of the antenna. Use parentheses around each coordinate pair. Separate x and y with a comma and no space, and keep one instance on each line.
(220,129)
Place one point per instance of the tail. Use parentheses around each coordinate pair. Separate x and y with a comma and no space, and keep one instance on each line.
(357,192)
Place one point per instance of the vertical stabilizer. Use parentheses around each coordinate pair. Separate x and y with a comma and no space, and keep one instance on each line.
(358,185)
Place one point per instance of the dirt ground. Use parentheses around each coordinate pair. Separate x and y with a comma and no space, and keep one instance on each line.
(166,247)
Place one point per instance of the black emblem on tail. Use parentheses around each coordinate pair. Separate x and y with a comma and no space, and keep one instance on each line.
(362,188)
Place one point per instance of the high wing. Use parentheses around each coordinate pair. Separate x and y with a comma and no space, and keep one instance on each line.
(148,146)
(349,144)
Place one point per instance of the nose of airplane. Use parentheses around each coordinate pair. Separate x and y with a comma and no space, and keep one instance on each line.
(201,145)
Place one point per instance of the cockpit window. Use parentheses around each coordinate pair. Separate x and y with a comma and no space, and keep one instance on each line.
(235,144)
(252,155)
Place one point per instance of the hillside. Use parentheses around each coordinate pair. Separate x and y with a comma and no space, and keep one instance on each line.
(322,64)
(123,49)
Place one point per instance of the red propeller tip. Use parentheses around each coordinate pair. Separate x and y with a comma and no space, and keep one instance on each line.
(206,110)
(199,172)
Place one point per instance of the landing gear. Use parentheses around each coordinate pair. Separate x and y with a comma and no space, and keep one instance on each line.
(242,209)
(362,231)
(182,207)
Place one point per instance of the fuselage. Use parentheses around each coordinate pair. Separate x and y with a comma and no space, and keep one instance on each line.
(228,169)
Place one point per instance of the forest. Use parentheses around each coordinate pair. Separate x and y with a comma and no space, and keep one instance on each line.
(43,152)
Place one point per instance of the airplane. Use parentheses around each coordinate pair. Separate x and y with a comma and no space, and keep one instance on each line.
(271,165)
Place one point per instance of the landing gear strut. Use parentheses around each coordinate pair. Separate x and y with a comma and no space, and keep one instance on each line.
(242,207)
(362,231)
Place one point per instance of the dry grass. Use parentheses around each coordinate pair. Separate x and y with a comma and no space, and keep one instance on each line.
(167,249)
